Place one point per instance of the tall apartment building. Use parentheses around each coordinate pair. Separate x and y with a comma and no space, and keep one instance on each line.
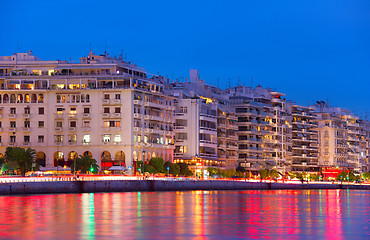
(304,139)
(103,107)
(264,128)
(342,141)
(196,125)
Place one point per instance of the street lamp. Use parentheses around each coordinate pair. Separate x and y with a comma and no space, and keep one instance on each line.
(196,165)
(143,161)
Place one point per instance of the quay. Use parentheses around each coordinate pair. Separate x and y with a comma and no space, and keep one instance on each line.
(133,184)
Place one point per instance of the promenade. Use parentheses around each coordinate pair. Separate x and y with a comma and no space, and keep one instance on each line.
(94,184)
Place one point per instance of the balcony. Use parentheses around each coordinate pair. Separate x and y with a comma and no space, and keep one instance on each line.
(115,101)
(59,115)
(105,115)
(115,115)
(86,115)
(26,129)
(26,115)
(85,129)
(12,129)
(72,143)
(105,101)
(138,102)
(58,129)
(12,144)
(12,115)
(72,129)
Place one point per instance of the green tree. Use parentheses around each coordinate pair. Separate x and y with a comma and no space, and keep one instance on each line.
(150,169)
(274,174)
(366,175)
(174,168)
(264,173)
(158,164)
(85,164)
(314,177)
(184,170)
(213,171)
(20,159)
(342,176)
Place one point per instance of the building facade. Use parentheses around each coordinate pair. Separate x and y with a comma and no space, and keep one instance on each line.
(103,107)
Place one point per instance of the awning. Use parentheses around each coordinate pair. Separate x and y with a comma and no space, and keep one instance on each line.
(117,168)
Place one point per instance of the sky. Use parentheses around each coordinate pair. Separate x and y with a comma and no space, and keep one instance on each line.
(309,50)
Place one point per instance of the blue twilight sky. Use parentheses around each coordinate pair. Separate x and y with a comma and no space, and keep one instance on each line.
(310,50)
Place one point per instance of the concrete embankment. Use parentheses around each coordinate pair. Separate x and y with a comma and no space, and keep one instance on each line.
(14,188)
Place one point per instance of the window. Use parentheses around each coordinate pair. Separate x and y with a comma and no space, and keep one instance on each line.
(60,110)
(117,138)
(0,125)
(118,96)
(86,139)
(40,138)
(41,111)
(72,138)
(27,123)
(86,110)
(106,96)
(73,110)
(59,124)
(27,110)
(87,98)
(86,124)
(106,110)
(13,124)
(72,124)
(12,139)
(58,138)
(41,124)
(13,111)
(26,139)
(117,110)
(106,138)
(0,139)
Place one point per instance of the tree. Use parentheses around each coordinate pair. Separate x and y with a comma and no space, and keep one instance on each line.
(342,176)
(366,175)
(264,173)
(149,168)
(20,159)
(314,177)
(85,164)
(174,168)
(157,163)
(213,171)
(184,170)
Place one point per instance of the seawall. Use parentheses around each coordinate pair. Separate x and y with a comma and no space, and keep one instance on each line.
(16,188)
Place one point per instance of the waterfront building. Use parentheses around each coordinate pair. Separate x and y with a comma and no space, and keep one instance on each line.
(341,138)
(196,125)
(304,140)
(264,128)
(102,106)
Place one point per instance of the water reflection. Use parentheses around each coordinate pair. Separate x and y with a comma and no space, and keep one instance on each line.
(293,214)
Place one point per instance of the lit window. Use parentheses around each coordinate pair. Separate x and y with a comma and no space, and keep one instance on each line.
(73,110)
(106,138)
(86,138)
(117,138)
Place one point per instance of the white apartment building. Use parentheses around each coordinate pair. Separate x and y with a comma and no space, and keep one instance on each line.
(103,107)
(342,141)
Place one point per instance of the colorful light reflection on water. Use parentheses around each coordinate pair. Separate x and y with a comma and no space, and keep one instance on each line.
(290,214)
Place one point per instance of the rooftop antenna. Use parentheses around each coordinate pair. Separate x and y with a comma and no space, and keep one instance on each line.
(17,46)
(105,47)
(90,46)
